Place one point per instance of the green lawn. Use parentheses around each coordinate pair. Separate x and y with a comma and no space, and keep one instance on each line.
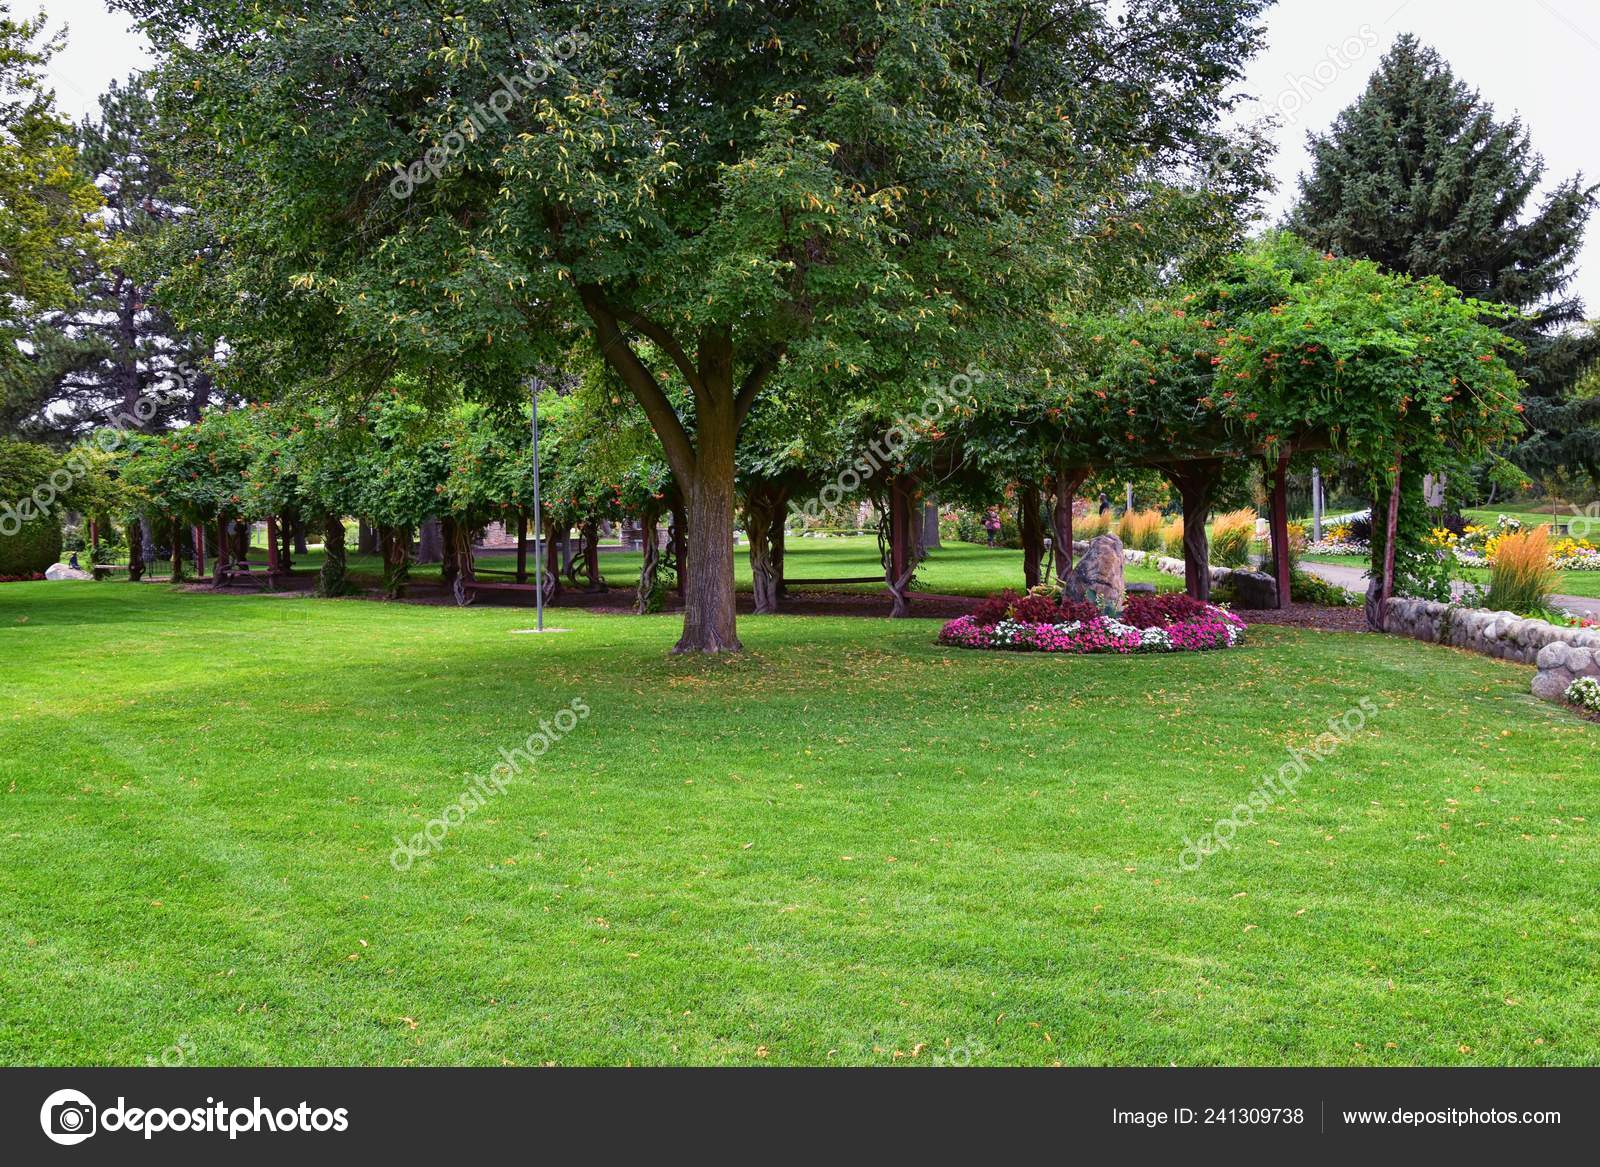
(848,846)
(959,569)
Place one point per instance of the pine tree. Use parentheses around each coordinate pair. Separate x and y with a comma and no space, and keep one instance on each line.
(114,353)
(1420,176)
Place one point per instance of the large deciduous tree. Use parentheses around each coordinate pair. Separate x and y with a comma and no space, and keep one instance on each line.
(854,192)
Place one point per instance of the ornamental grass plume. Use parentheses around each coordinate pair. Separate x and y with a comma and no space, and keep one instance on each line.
(1521,578)
(1231,536)
(1141,530)
(1172,538)
(1090,526)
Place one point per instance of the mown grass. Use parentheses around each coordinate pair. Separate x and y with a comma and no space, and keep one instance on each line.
(957,569)
(848,846)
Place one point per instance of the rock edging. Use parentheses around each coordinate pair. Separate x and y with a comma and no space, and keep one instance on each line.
(1561,655)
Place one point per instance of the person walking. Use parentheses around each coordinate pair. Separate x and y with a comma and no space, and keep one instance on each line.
(991,523)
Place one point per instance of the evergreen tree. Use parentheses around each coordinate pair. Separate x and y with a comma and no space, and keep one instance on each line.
(114,353)
(1420,176)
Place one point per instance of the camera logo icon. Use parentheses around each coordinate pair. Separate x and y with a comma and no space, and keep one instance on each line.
(68,1117)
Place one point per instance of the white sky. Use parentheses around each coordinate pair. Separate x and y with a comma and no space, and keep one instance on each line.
(1536,58)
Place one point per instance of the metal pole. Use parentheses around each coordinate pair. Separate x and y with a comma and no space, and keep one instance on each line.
(1316,504)
(538,520)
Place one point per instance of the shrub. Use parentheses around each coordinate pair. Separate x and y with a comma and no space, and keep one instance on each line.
(1036,610)
(1162,610)
(1172,537)
(994,609)
(1521,578)
(1359,530)
(1305,588)
(34,547)
(1231,537)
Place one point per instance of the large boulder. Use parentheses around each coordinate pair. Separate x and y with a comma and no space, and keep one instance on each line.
(1100,572)
(1254,590)
(62,571)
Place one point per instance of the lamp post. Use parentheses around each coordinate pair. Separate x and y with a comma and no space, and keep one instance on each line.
(538,519)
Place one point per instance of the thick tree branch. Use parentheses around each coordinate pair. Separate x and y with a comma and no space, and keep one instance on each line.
(619,354)
(750,388)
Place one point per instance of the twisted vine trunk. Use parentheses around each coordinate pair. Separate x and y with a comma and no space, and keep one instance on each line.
(899,554)
(177,551)
(395,543)
(763,510)
(646,596)
(219,564)
(589,532)
(333,580)
(136,551)
(1197,488)
(552,557)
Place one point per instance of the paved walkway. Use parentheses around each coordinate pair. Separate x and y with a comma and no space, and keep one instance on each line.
(1355,579)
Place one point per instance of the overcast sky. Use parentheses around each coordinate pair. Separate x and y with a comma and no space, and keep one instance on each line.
(1536,58)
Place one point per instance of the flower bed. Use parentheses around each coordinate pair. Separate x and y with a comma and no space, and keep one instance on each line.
(1038,623)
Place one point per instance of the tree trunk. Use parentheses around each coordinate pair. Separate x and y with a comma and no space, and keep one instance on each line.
(1067,482)
(709,619)
(298,526)
(136,550)
(1032,533)
(367,539)
(333,580)
(177,551)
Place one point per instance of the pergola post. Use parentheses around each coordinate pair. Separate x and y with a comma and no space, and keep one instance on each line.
(1279,524)
(272,545)
(1391,529)
(900,554)
(1197,484)
(1032,536)
(1067,483)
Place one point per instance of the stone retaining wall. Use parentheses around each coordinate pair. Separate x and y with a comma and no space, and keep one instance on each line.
(1561,654)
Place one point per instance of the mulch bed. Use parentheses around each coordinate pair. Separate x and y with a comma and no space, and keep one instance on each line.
(1313,616)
